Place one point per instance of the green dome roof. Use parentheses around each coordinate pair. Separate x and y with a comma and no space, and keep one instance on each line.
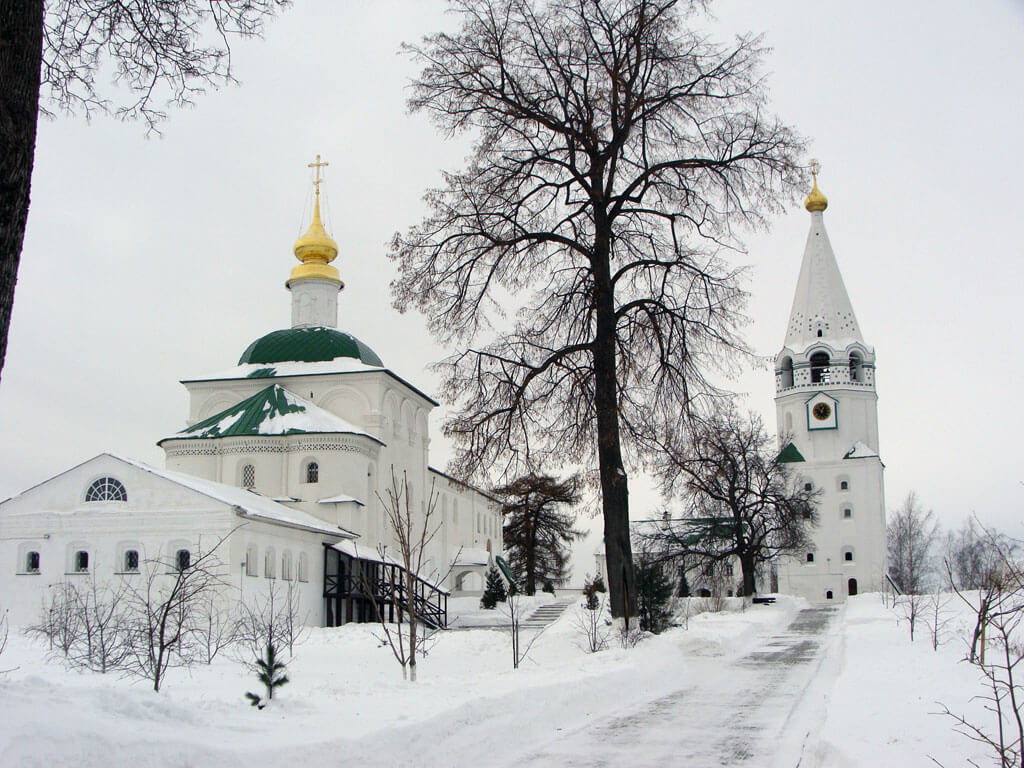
(307,345)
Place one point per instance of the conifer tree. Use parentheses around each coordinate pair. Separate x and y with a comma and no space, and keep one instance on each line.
(653,592)
(270,672)
(536,529)
(494,590)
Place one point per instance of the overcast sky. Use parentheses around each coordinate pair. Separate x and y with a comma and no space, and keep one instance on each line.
(151,260)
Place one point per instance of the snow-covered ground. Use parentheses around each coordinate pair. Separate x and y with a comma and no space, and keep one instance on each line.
(776,685)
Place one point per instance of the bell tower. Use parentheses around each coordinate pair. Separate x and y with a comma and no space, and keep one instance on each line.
(827,412)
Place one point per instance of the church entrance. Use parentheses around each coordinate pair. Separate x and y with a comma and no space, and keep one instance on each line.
(851,587)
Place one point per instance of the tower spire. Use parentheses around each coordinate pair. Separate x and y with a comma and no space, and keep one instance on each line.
(821,306)
(315,283)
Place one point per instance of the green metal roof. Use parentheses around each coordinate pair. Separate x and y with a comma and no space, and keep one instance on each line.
(307,345)
(790,455)
(271,411)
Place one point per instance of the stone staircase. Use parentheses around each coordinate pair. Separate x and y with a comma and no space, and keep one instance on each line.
(547,614)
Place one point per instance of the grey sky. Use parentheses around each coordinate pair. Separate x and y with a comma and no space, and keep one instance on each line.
(150,260)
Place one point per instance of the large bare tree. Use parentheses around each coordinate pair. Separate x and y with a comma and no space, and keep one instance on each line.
(165,52)
(575,262)
(741,501)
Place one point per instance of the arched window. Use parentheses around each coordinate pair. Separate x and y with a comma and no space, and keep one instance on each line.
(286,566)
(131,560)
(810,557)
(828,595)
(844,485)
(182,559)
(856,367)
(251,561)
(786,372)
(106,489)
(819,368)
(312,472)
(851,587)
(303,567)
(847,513)
(81,562)
(269,564)
(248,476)
(32,562)
(848,555)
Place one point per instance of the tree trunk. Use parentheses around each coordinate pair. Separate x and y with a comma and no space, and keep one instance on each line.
(747,565)
(531,555)
(21,52)
(614,489)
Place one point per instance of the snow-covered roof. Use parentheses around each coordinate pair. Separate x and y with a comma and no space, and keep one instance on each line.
(373,555)
(860,451)
(468,556)
(821,306)
(291,368)
(246,503)
(341,499)
(271,411)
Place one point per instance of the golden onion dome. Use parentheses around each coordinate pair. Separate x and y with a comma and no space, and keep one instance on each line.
(816,201)
(315,249)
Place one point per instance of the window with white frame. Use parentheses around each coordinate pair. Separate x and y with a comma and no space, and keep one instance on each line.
(248,476)
(130,561)
(312,472)
(80,562)
(32,561)
(286,566)
(303,573)
(182,559)
(106,489)
(251,561)
(270,564)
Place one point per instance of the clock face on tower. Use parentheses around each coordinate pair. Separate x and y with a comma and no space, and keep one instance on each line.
(822,412)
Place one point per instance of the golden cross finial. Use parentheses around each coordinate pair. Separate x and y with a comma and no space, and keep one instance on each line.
(318,165)
(815,166)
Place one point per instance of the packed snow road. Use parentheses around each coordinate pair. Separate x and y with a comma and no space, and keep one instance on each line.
(743,716)
(696,706)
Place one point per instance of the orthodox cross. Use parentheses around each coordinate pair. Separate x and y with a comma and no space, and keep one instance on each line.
(815,167)
(318,165)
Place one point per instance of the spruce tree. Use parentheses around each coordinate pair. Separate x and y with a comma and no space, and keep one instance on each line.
(494,590)
(270,672)
(653,592)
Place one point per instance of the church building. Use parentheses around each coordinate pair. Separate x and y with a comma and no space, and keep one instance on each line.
(286,459)
(826,406)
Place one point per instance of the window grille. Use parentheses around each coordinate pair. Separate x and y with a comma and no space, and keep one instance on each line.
(106,489)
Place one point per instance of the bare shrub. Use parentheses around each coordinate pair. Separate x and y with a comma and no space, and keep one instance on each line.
(591,626)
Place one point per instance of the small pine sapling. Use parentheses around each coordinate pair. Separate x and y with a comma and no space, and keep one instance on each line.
(270,672)
(494,590)
(548,587)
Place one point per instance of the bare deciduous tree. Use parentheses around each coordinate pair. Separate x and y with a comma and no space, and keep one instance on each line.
(165,51)
(617,154)
(412,534)
(269,618)
(912,534)
(741,501)
(165,607)
(1001,615)
(590,624)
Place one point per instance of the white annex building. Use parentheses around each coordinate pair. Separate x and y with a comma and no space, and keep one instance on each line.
(826,405)
(287,454)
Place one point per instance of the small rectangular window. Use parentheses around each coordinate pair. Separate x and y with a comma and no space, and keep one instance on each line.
(32,562)
(847,513)
(844,486)
(81,561)
(848,557)
(131,560)
(810,557)
(808,487)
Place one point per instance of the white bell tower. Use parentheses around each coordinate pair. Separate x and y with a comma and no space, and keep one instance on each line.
(826,406)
